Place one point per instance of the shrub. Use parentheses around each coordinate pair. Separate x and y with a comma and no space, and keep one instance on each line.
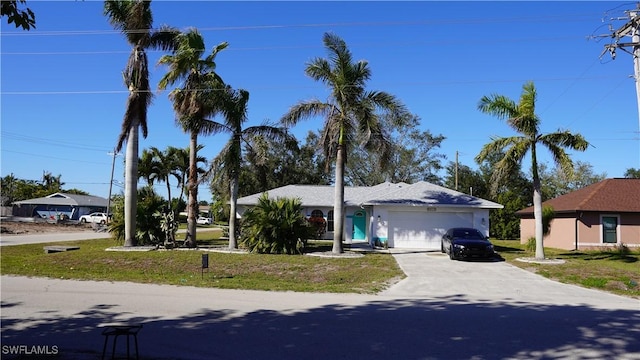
(275,227)
(319,224)
(149,230)
(531,244)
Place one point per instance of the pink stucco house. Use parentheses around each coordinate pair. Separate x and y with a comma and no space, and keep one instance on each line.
(604,214)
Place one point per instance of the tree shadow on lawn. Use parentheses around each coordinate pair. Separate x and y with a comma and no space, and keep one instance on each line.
(452,327)
(602,255)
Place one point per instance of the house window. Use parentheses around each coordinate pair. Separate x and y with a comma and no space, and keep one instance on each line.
(610,229)
(330,220)
(317,213)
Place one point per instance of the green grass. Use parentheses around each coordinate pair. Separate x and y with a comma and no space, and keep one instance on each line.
(616,270)
(613,271)
(369,274)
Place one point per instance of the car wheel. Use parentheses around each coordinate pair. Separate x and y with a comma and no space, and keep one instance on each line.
(83,220)
(442,248)
(102,222)
(451,255)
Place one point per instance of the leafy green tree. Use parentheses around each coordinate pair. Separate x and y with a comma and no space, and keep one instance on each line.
(468,181)
(24,19)
(351,113)
(235,111)
(632,173)
(13,189)
(267,164)
(194,102)
(275,226)
(412,157)
(522,118)
(134,19)
(554,182)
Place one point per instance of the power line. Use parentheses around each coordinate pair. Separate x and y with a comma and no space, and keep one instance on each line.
(352,45)
(53,157)
(45,141)
(465,21)
(293,87)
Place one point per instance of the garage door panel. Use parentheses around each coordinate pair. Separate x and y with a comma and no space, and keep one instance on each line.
(423,230)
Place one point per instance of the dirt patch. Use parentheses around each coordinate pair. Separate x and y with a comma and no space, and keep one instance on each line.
(17,227)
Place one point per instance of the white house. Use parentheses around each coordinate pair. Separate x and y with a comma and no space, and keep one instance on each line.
(400,215)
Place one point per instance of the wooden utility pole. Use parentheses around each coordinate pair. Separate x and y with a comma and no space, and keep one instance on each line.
(456,170)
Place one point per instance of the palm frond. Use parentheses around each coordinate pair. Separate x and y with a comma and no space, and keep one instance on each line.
(305,110)
(499,106)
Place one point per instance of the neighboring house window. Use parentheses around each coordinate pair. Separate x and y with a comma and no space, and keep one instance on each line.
(609,229)
(330,220)
(317,213)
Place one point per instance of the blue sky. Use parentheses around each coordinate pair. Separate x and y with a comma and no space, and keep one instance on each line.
(63,97)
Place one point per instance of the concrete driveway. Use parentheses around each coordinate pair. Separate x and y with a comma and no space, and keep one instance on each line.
(443,310)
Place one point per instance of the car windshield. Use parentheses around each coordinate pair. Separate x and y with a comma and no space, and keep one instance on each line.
(467,234)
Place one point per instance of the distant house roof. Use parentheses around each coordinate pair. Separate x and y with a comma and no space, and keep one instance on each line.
(66,199)
(401,194)
(610,195)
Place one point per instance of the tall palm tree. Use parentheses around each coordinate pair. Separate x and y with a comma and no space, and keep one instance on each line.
(134,19)
(193,103)
(522,118)
(235,111)
(351,111)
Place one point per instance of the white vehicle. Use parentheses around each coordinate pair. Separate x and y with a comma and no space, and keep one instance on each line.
(97,217)
(204,220)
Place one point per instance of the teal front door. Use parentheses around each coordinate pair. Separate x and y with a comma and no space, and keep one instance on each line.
(359,225)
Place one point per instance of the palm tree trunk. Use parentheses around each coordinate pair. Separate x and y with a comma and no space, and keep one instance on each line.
(338,206)
(233,243)
(190,240)
(131,187)
(169,194)
(537,206)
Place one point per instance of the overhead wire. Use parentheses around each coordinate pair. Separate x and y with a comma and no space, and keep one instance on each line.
(546,18)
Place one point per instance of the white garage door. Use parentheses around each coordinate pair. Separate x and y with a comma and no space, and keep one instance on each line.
(423,230)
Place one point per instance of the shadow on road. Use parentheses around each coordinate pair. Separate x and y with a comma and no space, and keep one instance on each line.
(450,327)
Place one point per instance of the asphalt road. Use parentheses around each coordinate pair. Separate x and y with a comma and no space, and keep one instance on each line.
(443,310)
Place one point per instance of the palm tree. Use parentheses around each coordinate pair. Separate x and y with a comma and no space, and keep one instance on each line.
(193,103)
(156,165)
(134,19)
(235,111)
(181,167)
(522,118)
(351,111)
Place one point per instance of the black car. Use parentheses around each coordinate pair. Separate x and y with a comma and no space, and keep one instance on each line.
(462,243)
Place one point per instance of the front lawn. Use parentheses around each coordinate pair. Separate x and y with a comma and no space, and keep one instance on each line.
(368,274)
(616,271)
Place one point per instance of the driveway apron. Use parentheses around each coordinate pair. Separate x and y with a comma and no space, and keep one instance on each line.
(433,274)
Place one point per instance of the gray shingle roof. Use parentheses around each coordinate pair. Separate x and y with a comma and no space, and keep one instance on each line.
(66,199)
(419,194)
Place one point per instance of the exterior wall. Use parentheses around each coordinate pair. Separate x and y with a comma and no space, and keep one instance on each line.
(628,230)
(589,231)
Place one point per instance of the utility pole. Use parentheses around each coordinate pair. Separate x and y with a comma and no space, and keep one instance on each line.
(630,28)
(113,164)
(456,170)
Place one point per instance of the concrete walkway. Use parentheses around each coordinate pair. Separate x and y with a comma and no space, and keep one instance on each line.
(443,310)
